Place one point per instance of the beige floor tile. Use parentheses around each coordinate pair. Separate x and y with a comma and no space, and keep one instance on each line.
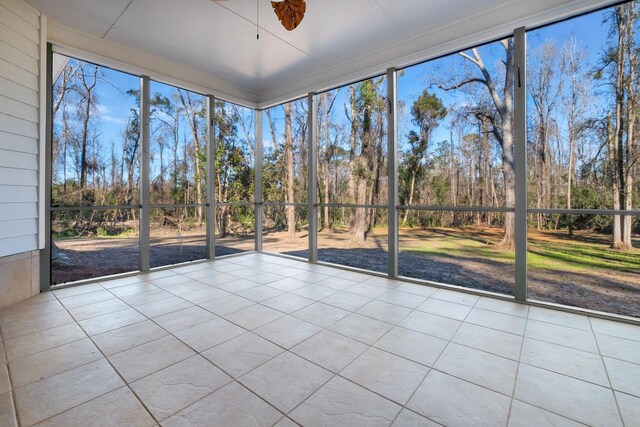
(411,419)
(205,295)
(5,385)
(108,322)
(148,358)
(254,316)
(421,348)
(569,397)
(45,364)
(183,319)
(337,283)
(416,289)
(368,290)
(122,339)
(562,335)
(616,329)
(117,408)
(503,306)
(178,386)
(391,376)
(227,305)
(238,285)
(558,317)
(619,348)
(455,296)
(431,324)
(490,340)
(310,277)
(383,282)
(484,369)
(114,283)
(215,278)
(86,299)
(133,289)
(242,354)
(43,340)
(445,308)
(286,422)
(494,320)
(147,297)
(352,275)
(342,403)
(208,334)
(567,361)
(97,309)
(525,415)
(288,303)
(454,402)
(288,284)
(361,328)
(403,299)
(629,408)
(320,314)
(13,327)
(287,331)
(314,292)
(232,405)
(384,311)
(76,290)
(54,395)
(625,376)
(260,293)
(286,381)
(330,350)
(346,301)
(169,282)
(265,278)
(27,308)
(186,287)
(154,275)
(164,306)
(7,411)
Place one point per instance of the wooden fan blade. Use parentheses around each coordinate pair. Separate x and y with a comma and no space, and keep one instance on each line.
(290,12)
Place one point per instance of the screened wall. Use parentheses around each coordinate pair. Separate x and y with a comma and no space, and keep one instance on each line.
(509,167)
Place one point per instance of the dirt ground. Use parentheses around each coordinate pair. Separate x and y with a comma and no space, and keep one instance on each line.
(608,291)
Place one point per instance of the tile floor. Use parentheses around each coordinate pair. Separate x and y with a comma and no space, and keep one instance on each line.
(259,340)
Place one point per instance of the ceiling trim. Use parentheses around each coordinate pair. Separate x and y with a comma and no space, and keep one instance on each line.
(68,41)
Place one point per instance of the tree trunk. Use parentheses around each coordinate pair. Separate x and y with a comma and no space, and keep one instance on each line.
(288,153)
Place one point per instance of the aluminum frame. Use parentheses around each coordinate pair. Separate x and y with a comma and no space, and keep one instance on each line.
(211,178)
(392,167)
(258,164)
(145,179)
(45,253)
(312,171)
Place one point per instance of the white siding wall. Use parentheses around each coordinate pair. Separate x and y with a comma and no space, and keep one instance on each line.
(19,126)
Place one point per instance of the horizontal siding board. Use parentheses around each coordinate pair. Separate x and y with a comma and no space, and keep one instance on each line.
(18,245)
(19,25)
(12,211)
(19,41)
(24,11)
(19,58)
(18,227)
(16,74)
(12,107)
(18,177)
(16,194)
(22,144)
(18,92)
(14,159)
(18,126)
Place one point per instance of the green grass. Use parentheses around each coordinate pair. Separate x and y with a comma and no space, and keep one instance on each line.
(547,252)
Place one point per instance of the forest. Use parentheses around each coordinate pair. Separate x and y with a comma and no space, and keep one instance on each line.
(456,161)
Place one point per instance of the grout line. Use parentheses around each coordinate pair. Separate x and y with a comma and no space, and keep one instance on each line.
(515,380)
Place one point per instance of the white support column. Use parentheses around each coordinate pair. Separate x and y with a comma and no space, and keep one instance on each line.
(211,178)
(392,156)
(145,186)
(313,177)
(520,134)
(258,180)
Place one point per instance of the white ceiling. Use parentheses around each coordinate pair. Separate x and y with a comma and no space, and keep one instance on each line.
(213,44)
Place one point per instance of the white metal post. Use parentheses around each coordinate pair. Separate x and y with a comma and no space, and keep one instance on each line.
(313,178)
(258,179)
(520,133)
(211,177)
(145,186)
(392,155)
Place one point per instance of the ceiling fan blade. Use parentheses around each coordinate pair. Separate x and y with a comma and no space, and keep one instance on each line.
(290,12)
